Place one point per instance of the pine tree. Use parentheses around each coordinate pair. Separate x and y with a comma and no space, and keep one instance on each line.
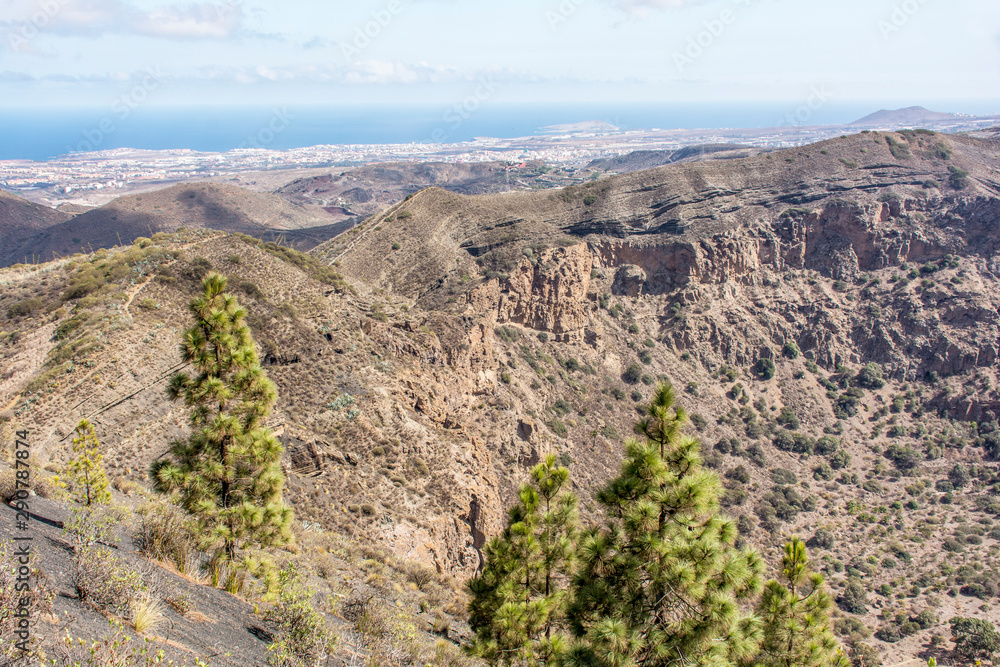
(795,617)
(662,582)
(85,472)
(227,473)
(519,600)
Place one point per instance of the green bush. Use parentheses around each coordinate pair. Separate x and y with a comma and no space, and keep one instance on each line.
(106,580)
(854,599)
(557,427)
(302,638)
(765,368)
(870,377)
(959,178)
(25,307)
(790,350)
(632,374)
(975,638)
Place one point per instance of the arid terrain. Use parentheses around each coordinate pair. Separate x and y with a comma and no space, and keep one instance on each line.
(830,315)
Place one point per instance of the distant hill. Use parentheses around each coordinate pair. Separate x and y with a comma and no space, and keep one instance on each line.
(198,205)
(21,219)
(585,127)
(368,190)
(639,160)
(909,116)
(461,339)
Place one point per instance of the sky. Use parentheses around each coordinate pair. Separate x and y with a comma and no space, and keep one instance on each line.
(937,53)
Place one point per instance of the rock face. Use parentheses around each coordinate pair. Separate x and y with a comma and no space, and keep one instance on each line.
(549,295)
(629,281)
(500,329)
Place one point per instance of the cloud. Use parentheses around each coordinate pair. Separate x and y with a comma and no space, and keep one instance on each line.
(95,18)
(365,72)
(643,7)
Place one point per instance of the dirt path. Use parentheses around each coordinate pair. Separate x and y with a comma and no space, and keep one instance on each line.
(372,225)
(131,297)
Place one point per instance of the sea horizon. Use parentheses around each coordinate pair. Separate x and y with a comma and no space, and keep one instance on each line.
(46,133)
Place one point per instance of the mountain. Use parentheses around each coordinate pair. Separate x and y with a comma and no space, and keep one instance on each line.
(197,206)
(640,160)
(368,190)
(828,314)
(908,117)
(20,219)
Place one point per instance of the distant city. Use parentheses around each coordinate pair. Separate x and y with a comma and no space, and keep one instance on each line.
(94,178)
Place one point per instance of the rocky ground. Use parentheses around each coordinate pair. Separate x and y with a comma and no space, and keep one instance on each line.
(830,314)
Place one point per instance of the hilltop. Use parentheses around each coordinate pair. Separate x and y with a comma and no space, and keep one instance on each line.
(828,312)
(196,206)
(909,117)
(370,189)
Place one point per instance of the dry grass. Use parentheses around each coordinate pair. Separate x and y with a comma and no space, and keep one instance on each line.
(147,614)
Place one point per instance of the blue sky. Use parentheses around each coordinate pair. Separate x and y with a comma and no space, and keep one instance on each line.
(931,52)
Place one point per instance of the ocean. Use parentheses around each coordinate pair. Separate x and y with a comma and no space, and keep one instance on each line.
(42,134)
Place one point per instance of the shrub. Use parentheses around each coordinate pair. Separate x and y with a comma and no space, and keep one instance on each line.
(899,150)
(788,419)
(791,350)
(854,599)
(164,533)
(826,445)
(302,636)
(870,377)
(107,580)
(840,460)
(739,474)
(632,374)
(783,476)
(975,638)
(698,421)
(765,368)
(864,655)
(823,472)
(557,427)
(959,476)
(903,457)
(25,307)
(823,539)
(958,178)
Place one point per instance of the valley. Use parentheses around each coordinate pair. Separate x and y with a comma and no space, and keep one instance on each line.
(828,314)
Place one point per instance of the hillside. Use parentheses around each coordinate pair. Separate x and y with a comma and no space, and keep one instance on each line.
(639,160)
(369,189)
(21,219)
(910,116)
(830,314)
(196,206)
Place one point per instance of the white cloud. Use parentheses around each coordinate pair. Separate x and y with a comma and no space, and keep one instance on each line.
(643,7)
(94,18)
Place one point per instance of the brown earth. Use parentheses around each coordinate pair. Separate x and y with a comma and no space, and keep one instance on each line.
(486,331)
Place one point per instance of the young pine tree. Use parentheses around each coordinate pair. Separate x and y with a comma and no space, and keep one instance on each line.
(85,472)
(662,583)
(795,617)
(227,473)
(518,604)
